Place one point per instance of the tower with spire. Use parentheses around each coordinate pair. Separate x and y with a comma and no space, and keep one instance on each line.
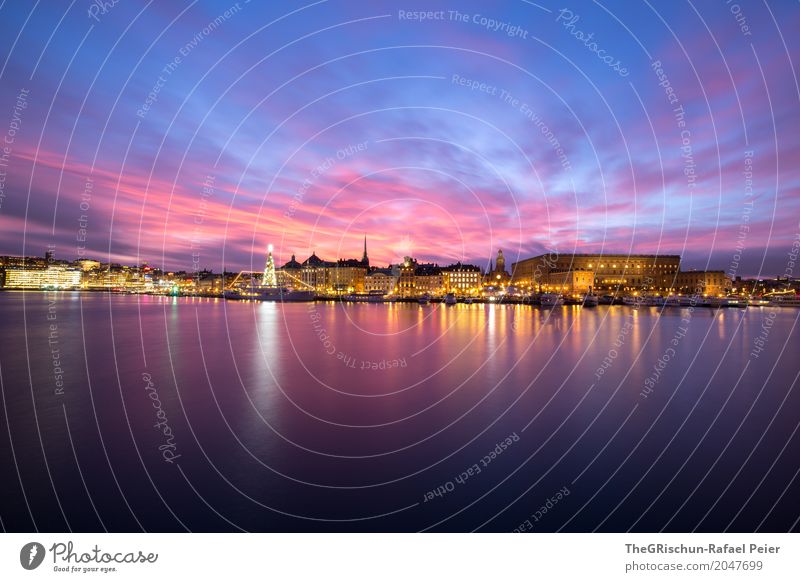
(497,275)
(365,259)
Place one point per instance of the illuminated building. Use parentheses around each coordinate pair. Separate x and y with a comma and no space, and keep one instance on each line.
(497,275)
(405,282)
(652,273)
(428,279)
(568,282)
(342,276)
(54,277)
(381,280)
(290,275)
(347,276)
(87,264)
(703,283)
(315,274)
(11,261)
(461,279)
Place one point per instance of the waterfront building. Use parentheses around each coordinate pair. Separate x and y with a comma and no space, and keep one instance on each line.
(87,264)
(428,279)
(461,279)
(347,276)
(703,283)
(13,261)
(315,274)
(342,276)
(53,277)
(405,282)
(497,276)
(208,283)
(612,272)
(568,282)
(290,275)
(382,280)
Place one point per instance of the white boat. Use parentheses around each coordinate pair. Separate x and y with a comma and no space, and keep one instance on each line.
(551,299)
(758,302)
(672,301)
(590,300)
(785,300)
(450,299)
(632,301)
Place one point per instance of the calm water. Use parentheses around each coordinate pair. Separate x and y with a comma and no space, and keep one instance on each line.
(127,413)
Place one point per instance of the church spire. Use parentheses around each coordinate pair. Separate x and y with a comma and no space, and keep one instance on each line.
(365,259)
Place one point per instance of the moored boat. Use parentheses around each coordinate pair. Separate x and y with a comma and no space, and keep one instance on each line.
(590,300)
(551,299)
(654,301)
(269,293)
(785,300)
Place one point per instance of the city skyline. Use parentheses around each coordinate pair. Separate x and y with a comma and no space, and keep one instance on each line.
(192,148)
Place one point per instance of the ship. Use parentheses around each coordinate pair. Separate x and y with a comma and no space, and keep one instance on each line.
(551,299)
(269,293)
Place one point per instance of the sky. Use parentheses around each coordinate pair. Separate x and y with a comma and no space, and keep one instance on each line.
(193,134)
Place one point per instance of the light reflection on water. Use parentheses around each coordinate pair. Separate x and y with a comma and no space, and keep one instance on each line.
(341,411)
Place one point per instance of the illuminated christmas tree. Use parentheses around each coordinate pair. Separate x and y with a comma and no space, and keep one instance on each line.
(269,279)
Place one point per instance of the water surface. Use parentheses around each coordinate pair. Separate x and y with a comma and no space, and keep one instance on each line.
(134,413)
